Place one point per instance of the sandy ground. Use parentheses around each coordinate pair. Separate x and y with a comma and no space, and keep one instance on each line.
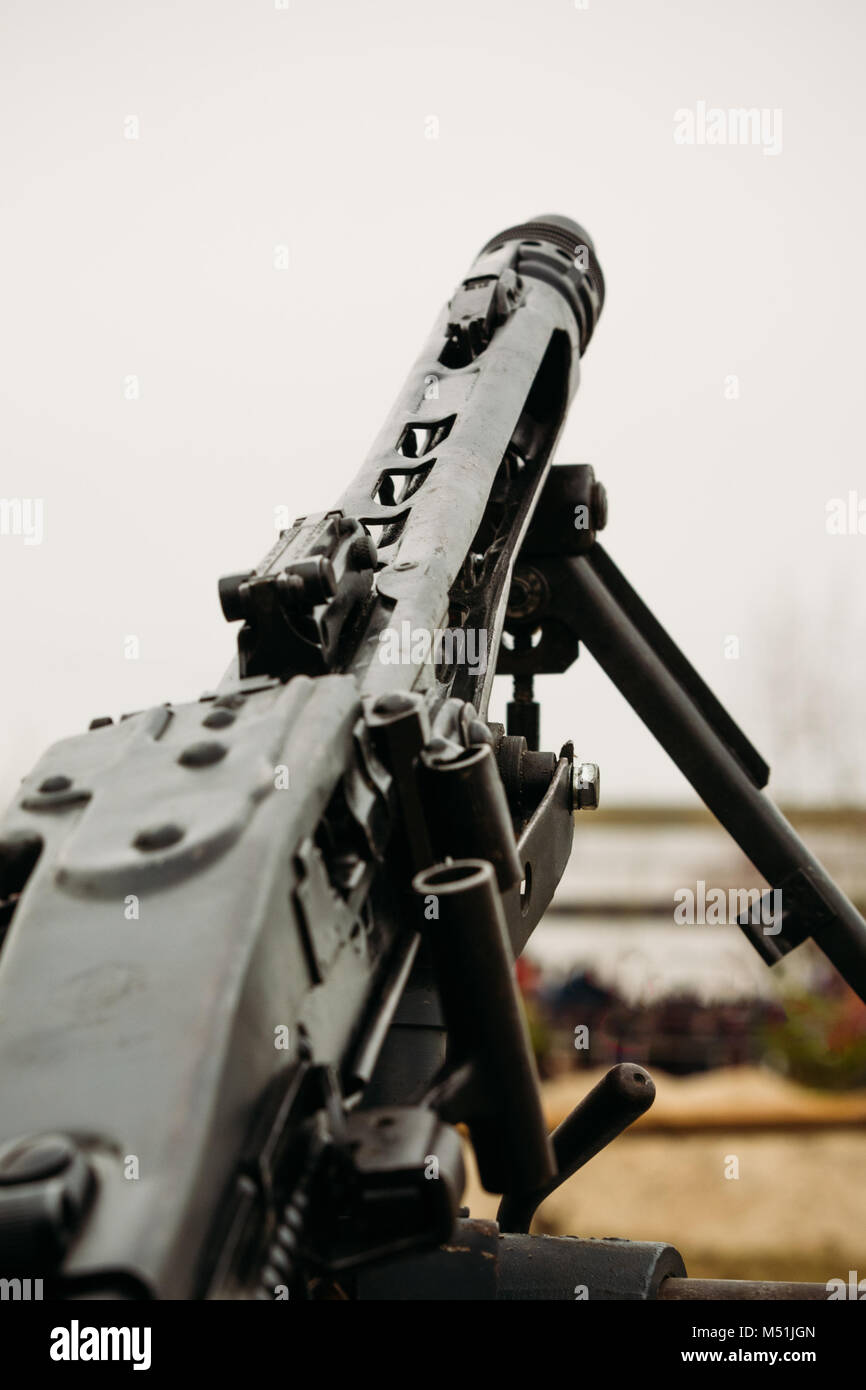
(796,1210)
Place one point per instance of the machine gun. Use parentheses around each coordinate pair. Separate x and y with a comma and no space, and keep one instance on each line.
(258,949)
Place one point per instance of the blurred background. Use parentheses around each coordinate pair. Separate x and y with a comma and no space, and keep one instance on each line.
(226,229)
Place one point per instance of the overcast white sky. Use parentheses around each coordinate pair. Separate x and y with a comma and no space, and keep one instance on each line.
(306,126)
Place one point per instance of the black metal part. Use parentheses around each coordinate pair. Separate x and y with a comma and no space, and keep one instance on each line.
(46,1186)
(385,1013)
(526,774)
(480,1263)
(466,1268)
(481,304)
(323,1190)
(523,713)
(571,510)
(414,1048)
(486,1027)
(399,725)
(411,1050)
(677,1290)
(297,602)
(616,1101)
(539,639)
(569,1269)
(392,1182)
(467,809)
(543,848)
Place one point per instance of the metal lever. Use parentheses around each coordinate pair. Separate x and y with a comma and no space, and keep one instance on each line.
(619,1098)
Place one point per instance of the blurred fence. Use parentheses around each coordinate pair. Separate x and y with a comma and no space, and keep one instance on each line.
(614,972)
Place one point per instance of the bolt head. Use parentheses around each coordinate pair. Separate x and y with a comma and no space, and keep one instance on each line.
(36,1158)
(586,786)
(219,719)
(55,784)
(202,754)
(158,837)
